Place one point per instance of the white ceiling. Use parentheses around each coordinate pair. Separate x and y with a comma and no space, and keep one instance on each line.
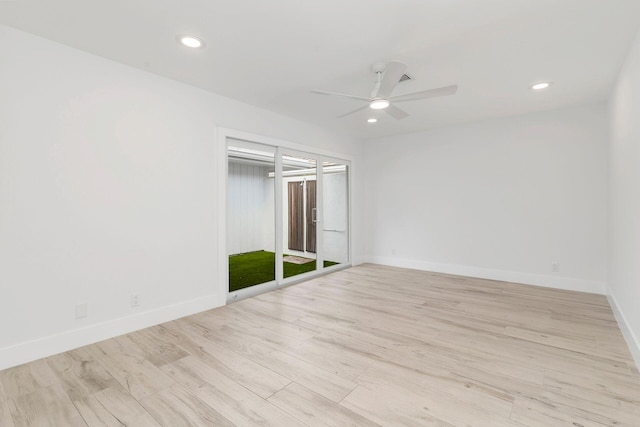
(271,53)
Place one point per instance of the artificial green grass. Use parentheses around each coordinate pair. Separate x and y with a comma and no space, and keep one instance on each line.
(257,267)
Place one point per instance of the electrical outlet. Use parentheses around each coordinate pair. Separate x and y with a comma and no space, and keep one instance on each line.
(136,300)
(82,310)
(555,266)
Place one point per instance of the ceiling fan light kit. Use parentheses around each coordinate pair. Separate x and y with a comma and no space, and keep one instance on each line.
(379,104)
(387,77)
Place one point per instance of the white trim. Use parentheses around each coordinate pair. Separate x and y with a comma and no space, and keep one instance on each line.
(252,291)
(255,290)
(223,173)
(224,133)
(53,344)
(360,260)
(303,277)
(632,340)
(320,206)
(567,283)
(278,211)
(350,251)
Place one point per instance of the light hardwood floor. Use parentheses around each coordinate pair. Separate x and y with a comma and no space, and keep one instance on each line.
(366,346)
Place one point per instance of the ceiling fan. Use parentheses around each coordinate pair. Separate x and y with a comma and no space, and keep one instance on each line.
(388,76)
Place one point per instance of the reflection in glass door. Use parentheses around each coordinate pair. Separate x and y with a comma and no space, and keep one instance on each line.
(300,214)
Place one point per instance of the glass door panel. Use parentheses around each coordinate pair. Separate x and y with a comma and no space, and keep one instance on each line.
(299,214)
(335,220)
(250,215)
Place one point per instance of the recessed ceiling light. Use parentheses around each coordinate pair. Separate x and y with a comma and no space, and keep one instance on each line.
(190,41)
(372,120)
(541,86)
(379,104)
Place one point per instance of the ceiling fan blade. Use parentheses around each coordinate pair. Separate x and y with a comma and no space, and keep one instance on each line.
(392,73)
(353,112)
(425,94)
(359,98)
(396,112)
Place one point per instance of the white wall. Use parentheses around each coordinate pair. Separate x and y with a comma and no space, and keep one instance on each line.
(499,199)
(250,209)
(624,277)
(108,179)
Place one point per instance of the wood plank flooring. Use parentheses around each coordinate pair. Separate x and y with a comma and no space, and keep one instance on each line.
(366,346)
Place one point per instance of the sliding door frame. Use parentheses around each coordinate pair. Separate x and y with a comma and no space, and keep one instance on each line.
(320,156)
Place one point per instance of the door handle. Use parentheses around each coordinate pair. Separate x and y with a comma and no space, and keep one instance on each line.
(314,215)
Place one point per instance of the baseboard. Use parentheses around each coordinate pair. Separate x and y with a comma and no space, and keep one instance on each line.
(556,282)
(357,260)
(632,341)
(36,349)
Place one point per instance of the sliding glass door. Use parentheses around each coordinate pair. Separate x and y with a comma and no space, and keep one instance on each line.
(287,216)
